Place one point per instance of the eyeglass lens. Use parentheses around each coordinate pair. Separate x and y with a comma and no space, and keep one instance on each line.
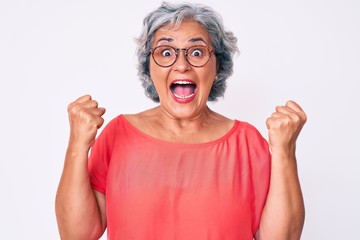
(166,56)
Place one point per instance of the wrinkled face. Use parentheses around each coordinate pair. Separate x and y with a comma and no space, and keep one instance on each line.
(183,89)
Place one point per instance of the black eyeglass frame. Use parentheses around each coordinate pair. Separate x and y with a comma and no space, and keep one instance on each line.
(177,54)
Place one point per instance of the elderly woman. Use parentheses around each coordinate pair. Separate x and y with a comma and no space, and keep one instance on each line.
(181,170)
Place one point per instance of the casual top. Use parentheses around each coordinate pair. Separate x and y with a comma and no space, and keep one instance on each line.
(162,190)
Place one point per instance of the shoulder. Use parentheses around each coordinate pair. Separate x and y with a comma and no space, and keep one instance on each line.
(111,129)
(114,123)
(248,128)
(143,121)
(125,122)
(251,136)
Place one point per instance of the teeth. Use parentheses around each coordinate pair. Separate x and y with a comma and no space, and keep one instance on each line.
(184,97)
(183,82)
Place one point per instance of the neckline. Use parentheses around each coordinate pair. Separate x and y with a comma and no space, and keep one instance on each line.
(186,145)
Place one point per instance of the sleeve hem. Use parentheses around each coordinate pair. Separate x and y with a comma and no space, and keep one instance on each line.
(98,188)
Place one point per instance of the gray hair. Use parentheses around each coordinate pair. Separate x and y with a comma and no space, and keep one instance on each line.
(224,42)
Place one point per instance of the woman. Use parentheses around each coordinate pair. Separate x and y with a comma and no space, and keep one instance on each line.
(181,170)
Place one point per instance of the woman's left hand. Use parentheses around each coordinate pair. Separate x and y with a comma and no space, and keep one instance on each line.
(284,201)
(284,127)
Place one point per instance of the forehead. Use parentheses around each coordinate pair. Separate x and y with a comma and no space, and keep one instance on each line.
(184,32)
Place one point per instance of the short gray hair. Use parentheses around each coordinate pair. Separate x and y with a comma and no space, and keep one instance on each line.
(224,42)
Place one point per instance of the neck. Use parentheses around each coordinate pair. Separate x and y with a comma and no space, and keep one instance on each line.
(202,127)
(193,123)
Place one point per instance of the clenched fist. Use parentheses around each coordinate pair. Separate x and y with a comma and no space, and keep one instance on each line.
(85,119)
(284,127)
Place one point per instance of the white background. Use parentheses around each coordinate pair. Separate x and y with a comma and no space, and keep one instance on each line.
(51,52)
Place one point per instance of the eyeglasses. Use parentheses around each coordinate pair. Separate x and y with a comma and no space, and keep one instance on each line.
(166,56)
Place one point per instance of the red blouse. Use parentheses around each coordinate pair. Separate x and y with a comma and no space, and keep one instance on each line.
(165,191)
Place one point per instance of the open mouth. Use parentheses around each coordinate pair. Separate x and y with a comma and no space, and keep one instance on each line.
(183,89)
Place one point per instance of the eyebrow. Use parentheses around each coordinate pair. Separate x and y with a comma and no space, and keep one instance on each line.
(198,39)
(165,39)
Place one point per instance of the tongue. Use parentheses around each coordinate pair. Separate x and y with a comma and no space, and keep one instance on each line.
(183,89)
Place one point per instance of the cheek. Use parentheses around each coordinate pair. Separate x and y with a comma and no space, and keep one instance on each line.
(212,69)
(154,73)
(158,76)
(210,75)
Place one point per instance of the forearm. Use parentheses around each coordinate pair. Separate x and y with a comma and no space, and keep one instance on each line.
(284,213)
(77,210)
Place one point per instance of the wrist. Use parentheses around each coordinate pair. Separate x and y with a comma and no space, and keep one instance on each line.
(77,147)
(79,144)
(283,154)
(285,149)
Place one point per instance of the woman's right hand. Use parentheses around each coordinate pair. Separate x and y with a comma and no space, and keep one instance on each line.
(85,119)
(75,191)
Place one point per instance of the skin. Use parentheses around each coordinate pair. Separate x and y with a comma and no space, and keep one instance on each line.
(80,211)
(177,122)
(284,213)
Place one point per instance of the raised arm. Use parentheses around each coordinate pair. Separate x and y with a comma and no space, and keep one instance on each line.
(80,211)
(284,213)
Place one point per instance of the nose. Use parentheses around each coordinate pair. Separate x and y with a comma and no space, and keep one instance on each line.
(181,64)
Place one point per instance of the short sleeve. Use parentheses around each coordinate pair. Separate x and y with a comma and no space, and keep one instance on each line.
(260,163)
(100,156)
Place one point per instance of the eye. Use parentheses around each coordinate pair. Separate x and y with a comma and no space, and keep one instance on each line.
(197,52)
(166,53)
